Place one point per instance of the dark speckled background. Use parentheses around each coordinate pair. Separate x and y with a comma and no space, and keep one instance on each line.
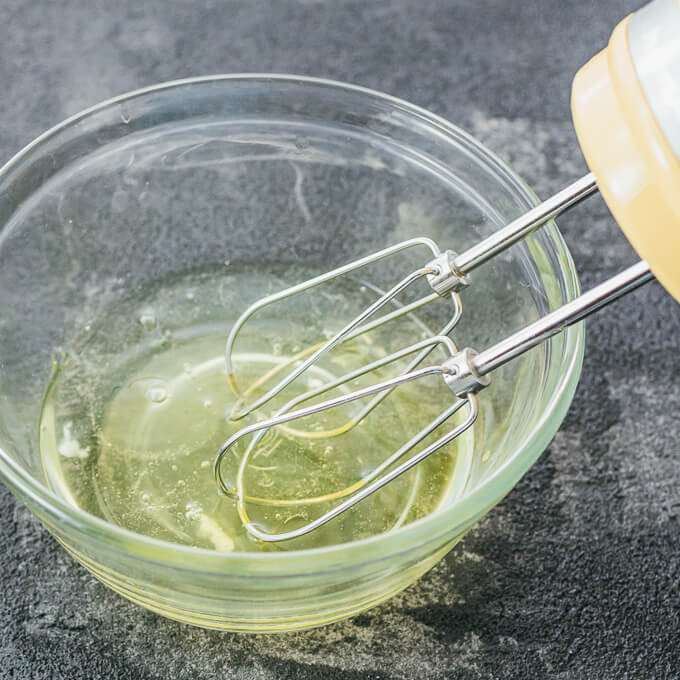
(575,574)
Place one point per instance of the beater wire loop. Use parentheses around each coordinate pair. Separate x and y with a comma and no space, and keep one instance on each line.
(376,484)
(357,490)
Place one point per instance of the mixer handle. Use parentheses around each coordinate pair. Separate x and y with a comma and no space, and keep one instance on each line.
(626,110)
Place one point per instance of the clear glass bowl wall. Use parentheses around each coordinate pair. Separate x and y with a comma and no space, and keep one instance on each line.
(191,175)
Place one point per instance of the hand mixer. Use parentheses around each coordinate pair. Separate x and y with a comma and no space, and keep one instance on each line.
(626,111)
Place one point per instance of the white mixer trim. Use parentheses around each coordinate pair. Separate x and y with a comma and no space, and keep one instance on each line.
(654,39)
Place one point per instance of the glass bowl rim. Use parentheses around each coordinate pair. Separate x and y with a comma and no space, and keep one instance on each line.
(463,512)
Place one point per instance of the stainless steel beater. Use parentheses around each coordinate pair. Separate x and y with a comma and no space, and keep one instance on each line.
(466,372)
(447,275)
(626,109)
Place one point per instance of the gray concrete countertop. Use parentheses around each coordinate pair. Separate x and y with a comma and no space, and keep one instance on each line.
(575,574)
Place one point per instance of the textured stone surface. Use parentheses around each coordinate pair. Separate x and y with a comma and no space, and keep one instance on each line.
(575,574)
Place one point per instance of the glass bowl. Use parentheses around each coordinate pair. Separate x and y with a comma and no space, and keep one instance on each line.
(234,171)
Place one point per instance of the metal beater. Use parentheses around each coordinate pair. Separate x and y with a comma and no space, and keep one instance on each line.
(629,93)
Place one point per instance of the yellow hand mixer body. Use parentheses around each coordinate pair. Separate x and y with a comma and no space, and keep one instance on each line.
(626,110)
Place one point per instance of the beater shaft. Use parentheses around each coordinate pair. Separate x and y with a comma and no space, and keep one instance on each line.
(571,312)
(526,224)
